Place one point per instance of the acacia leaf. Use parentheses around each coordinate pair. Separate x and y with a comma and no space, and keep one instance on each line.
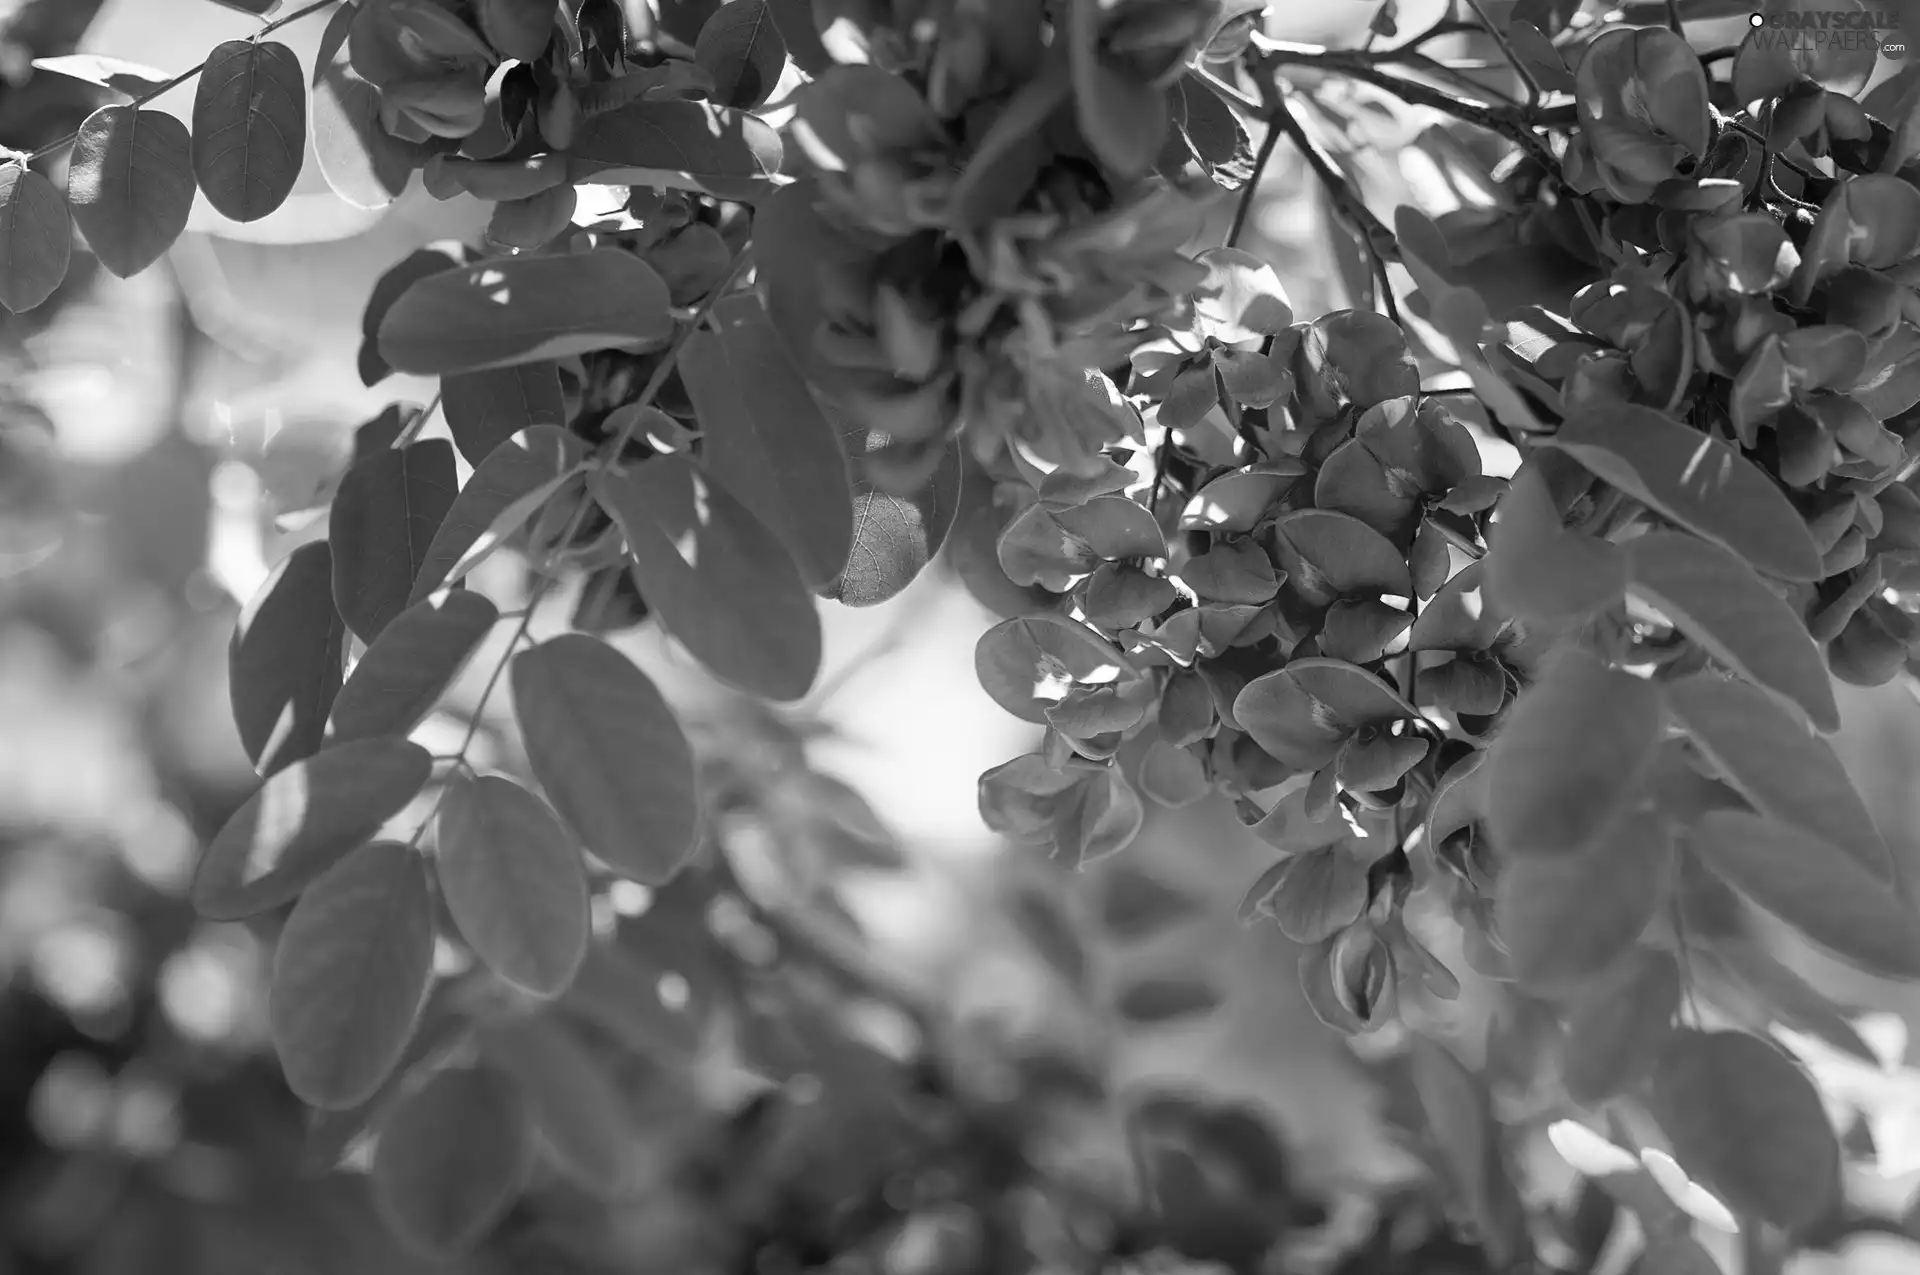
(485,409)
(1539,571)
(1695,479)
(609,753)
(1575,750)
(1029,663)
(302,820)
(524,309)
(1772,761)
(765,438)
(514,883)
(1717,600)
(741,46)
(410,666)
(350,974)
(895,537)
(1565,919)
(249,127)
(682,144)
(36,238)
(452,1159)
(506,490)
(389,507)
(1815,888)
(130,185)
(578,1114)
(1749,1124)
(719,580)
(284,662)
(1618,1026)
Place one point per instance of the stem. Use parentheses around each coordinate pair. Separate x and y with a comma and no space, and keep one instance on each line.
(1506,47)
(54,148)
(1247,192)
(1374,237)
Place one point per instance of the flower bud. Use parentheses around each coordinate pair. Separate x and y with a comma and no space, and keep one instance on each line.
(1364,976)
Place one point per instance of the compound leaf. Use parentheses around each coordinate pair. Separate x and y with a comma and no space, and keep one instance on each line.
(350,975)
(284,662)
(610,754)
(249,127)
(410,666)
(1749,1124)
(764,437)
(130,185)
(302,821)
(719,580)
(514,883)
(389,507)
(452,1159)
(524,309)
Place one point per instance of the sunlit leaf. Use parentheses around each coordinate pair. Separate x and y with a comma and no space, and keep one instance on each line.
(130,185)
(507,489)
(410,666)
(284,663)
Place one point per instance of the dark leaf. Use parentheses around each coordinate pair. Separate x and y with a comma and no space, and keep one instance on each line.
(688,145)
(130,185)
(385,516)
(350,974)
(302,820)
(514,883)
(1774,762)
(388,289)
(519,29)
(524,309)
(1618,1027)
(249,127)
(577,1112)
(719,580)
(1716,599)
(485,409)
(742,47)
(284,662)
(610,754)
(1695,479)
(36,240)
(1815,888)
(507,489)
(801,35)
(895,537)
(1538,570)
(443,1028)
(1573,754)
(1567,918)
(410,666)
(1749,1124)
(765,438)
(452,1159)
(1030,663)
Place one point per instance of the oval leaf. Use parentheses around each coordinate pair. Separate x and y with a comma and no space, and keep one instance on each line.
(610,754)
(1749,1124)
(1577,747)
(1029,663)
(1695,479)
(452,1159)
(485,409)
(690,145)
(36,240)
(514,883)
(1815,888)
(350,974)
(385,515)
(130,185)
(410,666)
(1567,918)
(742,48)
(1318,894)
(506,490)
(764,437)
(249,127)
(284,662)
(895,537)
(1719,602)
(1777,765)
(1617,1029)
(523,309)
(577,1112)
(302,821)
(718,579)
(365,165)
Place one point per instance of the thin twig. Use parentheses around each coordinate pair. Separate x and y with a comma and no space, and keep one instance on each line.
(1247,192)
(54,148)
(1378,240)
(1506,47)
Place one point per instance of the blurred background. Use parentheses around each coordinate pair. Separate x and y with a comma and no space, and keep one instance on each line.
(165,439)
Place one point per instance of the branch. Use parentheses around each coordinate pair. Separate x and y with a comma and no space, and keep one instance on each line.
(1247,192)
(1379,241)
(1506,47)
(54,148)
